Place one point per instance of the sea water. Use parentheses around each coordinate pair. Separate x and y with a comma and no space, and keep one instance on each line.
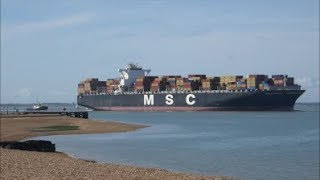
(245,145)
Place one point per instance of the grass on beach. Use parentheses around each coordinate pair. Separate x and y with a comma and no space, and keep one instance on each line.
(58,128)
(23,127)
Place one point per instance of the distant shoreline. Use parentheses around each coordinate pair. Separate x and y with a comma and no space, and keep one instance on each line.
(17,164)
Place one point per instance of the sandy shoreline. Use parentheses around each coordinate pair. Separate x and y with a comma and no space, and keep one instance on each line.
(16,164)
(18,128)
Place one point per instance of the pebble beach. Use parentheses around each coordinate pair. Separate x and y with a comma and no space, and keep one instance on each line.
(17,164)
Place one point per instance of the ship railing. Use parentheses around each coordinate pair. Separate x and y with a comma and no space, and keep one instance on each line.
(185,92)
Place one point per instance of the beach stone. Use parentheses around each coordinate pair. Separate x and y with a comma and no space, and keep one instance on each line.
(30,145)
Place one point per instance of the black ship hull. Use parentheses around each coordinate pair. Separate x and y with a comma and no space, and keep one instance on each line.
(275,100)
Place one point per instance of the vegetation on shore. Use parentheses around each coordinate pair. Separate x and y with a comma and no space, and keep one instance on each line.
(58,128)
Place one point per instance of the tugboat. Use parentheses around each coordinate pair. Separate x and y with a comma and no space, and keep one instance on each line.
(38,107)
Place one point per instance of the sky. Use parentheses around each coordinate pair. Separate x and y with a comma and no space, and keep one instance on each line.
(48,46)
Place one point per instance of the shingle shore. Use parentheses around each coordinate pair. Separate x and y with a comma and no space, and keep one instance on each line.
(17,164)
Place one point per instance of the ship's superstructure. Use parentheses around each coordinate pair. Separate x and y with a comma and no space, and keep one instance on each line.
(136,90)
(129,75)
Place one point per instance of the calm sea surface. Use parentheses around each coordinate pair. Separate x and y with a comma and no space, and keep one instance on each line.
(246,145)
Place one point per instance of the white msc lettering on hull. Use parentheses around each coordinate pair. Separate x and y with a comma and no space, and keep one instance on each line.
(169,99)
(148,100)
(188,99)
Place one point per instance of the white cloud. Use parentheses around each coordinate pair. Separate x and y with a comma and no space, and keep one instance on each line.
(60,92)
(308,82)
(24,92)
(311,85)
(51,23)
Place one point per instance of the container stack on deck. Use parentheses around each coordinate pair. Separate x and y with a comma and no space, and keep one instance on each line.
(111,85)
(192,82)
(159,84)
(143,83)
(101,87)
(254,80)
(241,84)
(88,86)
(206,84)
(138,85)
(92,86)
(171,83)
(81,88)
(196,81)
(186,86)
(282,80)
(210,83)
(180,83)
(230,82)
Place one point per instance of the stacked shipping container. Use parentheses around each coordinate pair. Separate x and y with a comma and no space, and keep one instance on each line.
(224,80)
(138,85)
(159,84)
(254,80)
(90,85)
(180,83)
(143,83)
(196,77)
(111,85)
(171,83)
(81,88)
(229,82)
(196,81)
(210,83)
(193,82)
(102,86)
(282,80)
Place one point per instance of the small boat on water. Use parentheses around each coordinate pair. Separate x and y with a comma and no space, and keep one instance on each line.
(38,107)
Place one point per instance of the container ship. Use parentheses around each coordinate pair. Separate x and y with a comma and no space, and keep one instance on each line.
(137,90)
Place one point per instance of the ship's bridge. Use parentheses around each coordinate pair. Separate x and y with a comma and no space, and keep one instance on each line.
(130,74)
